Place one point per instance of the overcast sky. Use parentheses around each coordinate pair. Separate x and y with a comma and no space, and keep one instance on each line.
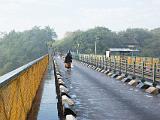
(70,15)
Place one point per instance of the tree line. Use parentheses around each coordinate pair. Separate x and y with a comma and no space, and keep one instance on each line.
(147,41)
(19,48)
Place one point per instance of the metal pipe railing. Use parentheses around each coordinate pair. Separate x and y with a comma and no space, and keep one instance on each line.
(18,89)
(145,68)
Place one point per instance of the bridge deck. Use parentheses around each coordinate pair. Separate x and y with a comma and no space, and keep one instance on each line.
(99,97)
(45,104)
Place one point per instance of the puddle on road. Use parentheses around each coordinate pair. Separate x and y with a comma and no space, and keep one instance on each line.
(136,90)
(73,96)
(149,96)
(131,89)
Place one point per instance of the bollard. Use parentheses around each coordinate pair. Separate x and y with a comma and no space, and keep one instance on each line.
(59,104)
(69,114)
(63,88)
(66,99)
(63,93)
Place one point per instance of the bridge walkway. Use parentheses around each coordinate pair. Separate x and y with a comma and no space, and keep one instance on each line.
(99,97)
(45,103)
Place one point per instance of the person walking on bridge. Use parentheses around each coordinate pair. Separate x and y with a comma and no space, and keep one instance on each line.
(68,60)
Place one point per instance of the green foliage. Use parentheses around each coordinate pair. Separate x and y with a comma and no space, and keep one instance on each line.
(152,45)
(86,40)
(19,48)
(148,42)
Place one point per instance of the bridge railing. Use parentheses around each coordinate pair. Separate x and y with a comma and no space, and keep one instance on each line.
(18,89)
(145,68)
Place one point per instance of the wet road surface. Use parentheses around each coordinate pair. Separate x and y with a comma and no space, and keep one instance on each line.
(99,97)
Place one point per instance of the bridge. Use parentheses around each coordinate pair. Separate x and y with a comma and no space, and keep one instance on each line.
(96,87)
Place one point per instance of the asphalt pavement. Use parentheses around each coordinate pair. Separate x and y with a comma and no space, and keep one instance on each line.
(99,97)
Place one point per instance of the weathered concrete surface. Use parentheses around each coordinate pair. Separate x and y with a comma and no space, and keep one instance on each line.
(99,97)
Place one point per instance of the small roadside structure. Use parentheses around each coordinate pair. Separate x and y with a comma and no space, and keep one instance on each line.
(121,51)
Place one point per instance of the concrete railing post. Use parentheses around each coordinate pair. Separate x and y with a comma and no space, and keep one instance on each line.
(87,59)
(142,72)
(114,64)
(120,64)
(106,62)
(110,63)
(126,66)
(103,62)
(134,68)
(97,61)
(154,75)
(100,63)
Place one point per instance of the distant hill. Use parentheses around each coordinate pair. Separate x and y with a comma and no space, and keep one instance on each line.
(148,42)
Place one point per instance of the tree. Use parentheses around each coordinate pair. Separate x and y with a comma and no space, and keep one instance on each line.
(19,48)
(146,41)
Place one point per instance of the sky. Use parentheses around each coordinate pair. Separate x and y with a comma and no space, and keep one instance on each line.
(70,15)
